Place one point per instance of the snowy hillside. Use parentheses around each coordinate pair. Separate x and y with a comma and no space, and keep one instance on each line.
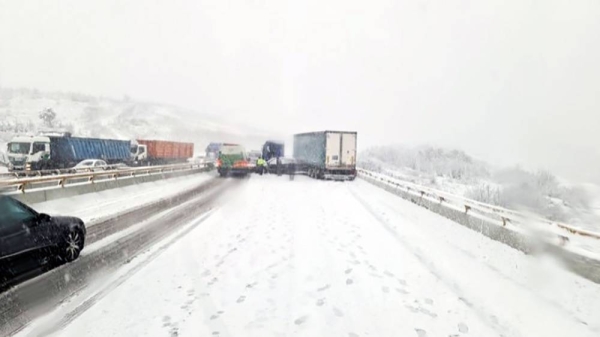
(89,116)
(456,172)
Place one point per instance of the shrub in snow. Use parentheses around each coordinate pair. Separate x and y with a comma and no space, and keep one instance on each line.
(429,161)
(486,193)
(47,116)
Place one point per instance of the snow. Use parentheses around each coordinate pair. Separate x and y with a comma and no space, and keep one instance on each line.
(94,207)
(89,116)
(314,258)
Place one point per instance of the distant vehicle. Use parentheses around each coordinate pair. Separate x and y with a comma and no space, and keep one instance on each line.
(91,165)
(61,152)
(253,157)
(160,152)
(327,154)
(233,160)
(212,150)
(273,149)
(28,238)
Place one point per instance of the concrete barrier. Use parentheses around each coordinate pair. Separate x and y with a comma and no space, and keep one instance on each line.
(53,193)
(581,265)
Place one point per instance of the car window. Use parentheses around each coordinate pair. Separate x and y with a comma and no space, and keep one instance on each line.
(13,213)
(85,163)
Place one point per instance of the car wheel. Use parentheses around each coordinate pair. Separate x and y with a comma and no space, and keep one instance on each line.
(72,245)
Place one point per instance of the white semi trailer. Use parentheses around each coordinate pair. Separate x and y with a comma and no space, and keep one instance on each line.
(326,154)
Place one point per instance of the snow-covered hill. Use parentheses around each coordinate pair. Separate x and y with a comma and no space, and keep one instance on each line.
(456,172)
(90,116)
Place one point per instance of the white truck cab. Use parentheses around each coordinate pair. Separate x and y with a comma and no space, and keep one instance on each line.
(26,149)
(139,152)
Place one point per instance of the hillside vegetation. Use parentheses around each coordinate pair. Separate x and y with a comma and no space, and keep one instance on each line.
(91,116)
(456,172)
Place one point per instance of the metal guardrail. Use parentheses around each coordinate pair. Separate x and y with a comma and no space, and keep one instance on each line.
(504,214)
(40,173)
(62,179)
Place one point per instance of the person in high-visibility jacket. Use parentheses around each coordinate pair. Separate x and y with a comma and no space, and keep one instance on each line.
(261,165)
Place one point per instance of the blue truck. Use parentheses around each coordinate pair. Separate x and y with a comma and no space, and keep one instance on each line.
(273,149)
(61,152)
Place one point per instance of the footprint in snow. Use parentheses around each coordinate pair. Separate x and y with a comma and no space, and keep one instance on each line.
(402,291)
(349,281)
(421,333)
(241,299)
(320,302)
(428,301)
(463,328)
(325,287)
(301,320)
(352,334)
(427,312)
(338,312)
(385,289)
(348,271)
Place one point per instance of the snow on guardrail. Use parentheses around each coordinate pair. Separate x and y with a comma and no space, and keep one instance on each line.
(491,211)
(62,179)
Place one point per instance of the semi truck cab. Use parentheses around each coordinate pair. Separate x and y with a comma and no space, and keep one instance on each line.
(23,152)
(139,153)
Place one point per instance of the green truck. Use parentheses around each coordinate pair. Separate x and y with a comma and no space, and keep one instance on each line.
(233,160)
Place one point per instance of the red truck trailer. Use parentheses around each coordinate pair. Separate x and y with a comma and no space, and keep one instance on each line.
(161,152)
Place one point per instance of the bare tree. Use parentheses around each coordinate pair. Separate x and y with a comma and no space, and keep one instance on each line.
(47,116)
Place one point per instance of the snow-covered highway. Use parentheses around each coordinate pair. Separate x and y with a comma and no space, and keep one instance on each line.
(310,258)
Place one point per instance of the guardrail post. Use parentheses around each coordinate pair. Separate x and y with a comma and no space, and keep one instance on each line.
(442,199)
(504,220)
(61,182)
(467,208)
(22,187)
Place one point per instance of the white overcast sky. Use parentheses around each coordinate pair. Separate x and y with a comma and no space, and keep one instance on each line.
(509,81)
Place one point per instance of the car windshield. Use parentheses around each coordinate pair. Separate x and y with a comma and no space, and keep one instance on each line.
(412,168)
(19,148)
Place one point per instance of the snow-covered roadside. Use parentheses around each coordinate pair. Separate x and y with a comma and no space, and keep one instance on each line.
(92,207)
(46,324)
(525,295)
(313,258)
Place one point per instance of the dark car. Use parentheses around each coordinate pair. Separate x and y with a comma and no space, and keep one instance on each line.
(28,237)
